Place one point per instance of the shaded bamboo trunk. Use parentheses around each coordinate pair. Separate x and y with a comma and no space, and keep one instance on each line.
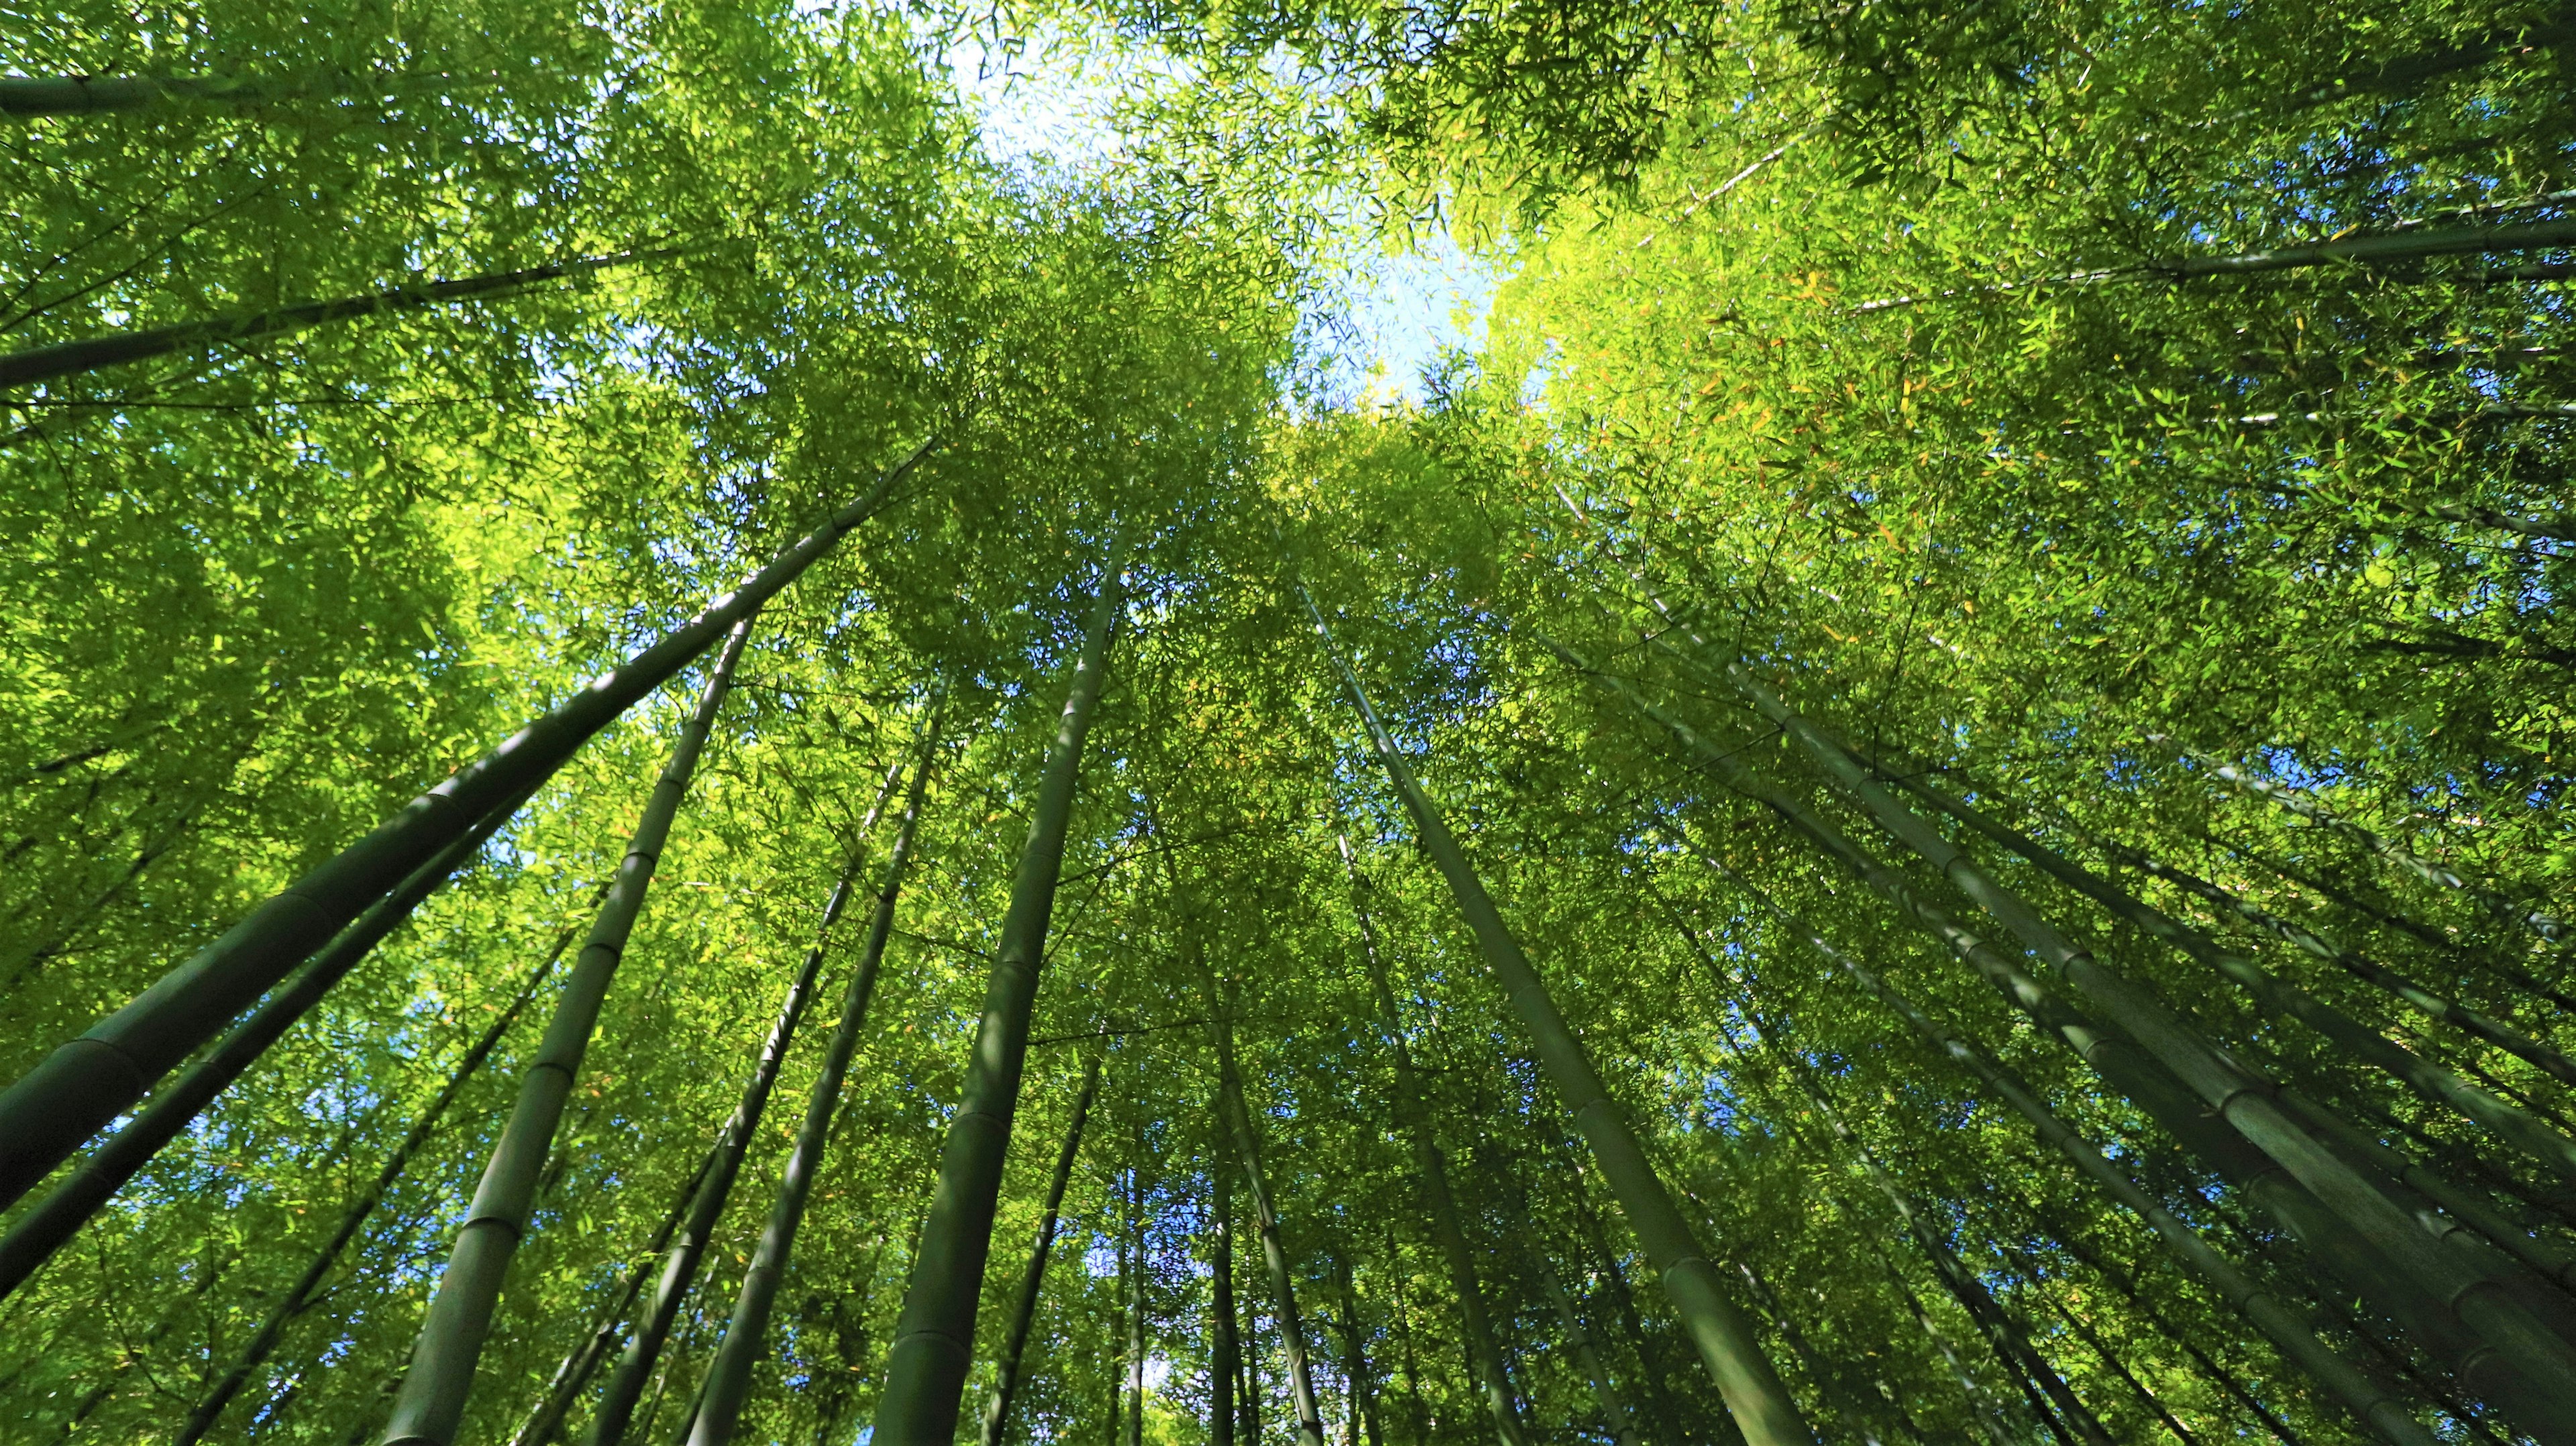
(2415,996)
(687,1249)
(431,1403)
(572,1375)
(1265,1217)
(88,1081)
(2278,1320)
(69,358)
(2460,954)
(1754,1394)
(1356,1374)
(55,1219)
(1413,1111)
(1006,1367)
(2508,1122)
(935,1336)
(2528,1364)
(1615,1418)
(1668,1416)
(2062,1412)
(1981,1406)
(25,97)
(301,1296)
(1225,1352)
(728,1378)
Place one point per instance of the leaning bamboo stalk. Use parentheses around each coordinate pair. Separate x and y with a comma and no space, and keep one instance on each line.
(626,1386)
(300,1297)
(1615,1417)
(88,1081)
(89,354)
(2299,803)
(572,1375)
(1225,1347)
(1745,1377)
(431,1402)
(2509,1122)
(43,1230)
(2461,1279)
(1413,1110)
(1265,1219)
(2279,1321)
(1006,1366)
(935,1335)
(728,1378)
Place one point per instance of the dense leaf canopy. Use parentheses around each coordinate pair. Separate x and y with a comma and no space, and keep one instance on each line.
(1984,612)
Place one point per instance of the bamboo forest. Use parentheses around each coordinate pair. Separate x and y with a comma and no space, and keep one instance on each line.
(1312,723)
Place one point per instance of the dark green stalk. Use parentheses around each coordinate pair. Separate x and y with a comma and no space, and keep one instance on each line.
(1006,1377)
(1413,1111)
(2278,1321)
(573,1374)
(1615,1418)
(1225,1351)
(2459,1279)
(90,1080)
(1265,1219)
(1356,1374)
(935,1336)
(43,1230)
(2516,1126)
(68,358)
(1760,1403)
(431,1402)
(608,1424)
(728,1379)
(301,1296)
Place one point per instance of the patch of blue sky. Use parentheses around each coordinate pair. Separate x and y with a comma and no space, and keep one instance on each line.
(1384,324)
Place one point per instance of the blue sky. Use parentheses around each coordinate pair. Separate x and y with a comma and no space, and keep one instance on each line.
(1398,314)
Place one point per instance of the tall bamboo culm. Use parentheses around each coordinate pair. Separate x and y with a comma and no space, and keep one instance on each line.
(1265,1218)
(1413,1112)
(430,1403)
(682,1256)
(1006,1367)
(935,1335)
(1760,1403)
(50,1111)
(728,1379)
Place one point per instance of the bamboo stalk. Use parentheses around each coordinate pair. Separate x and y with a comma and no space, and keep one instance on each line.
(935,1335)
(88,1081)
(431,1402)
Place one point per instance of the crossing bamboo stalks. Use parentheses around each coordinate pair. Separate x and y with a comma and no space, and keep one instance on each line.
(935,1335)
(1265,1219)
(56,1218)
(431,1401)
(2279,1321)
(1356,1374)
(2440,876)
(2508,1122)
(2415,996)
(1413,1111)
(300,1297)
(572,1375)
(728,1378)
(90,1080)
(2459,1279)
(89,354)
(1752,1388)
(1006,1366)
(608,1423)
(1615,1418)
